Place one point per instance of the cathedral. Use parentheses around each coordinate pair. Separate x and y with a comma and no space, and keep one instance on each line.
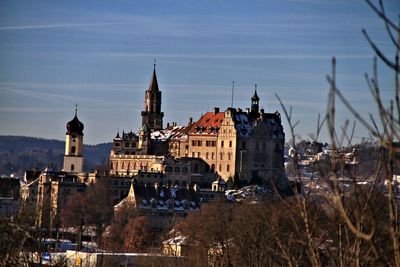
(233,144)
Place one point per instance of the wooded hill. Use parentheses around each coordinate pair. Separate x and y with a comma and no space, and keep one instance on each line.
(20,153)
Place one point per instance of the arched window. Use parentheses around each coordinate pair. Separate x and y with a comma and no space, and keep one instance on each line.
(73,149)
(72,167)
(111,165)
(227,168)
(123,165)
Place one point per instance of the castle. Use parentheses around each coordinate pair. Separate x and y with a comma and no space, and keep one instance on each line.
(240,144)
(237,145)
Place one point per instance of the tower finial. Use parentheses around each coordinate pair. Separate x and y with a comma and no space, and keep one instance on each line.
(155,64)
(76,109)
(255,87)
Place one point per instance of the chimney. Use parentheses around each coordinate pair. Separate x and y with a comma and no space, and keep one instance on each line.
(167,124)
(216,110)
(190,120)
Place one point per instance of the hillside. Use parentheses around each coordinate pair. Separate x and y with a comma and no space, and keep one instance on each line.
(19,153)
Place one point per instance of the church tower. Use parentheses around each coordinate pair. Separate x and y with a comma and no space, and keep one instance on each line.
(152,115)
(73,157)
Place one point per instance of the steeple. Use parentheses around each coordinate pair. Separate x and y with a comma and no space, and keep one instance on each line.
(255,96)
(152,115)
(153,82)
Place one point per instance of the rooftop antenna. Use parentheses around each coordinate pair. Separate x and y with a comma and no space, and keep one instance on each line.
(233,89)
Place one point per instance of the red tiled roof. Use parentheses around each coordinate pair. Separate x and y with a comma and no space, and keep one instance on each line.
(208,120)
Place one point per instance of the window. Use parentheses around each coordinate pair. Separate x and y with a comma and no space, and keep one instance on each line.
(222,143)
(213,143)
(72,167)
(193,154)
(220,167)
(199,143)
(212,167)
(198,154)
(206,155)
(229,156)
(184,169)
(230,143)
(221,156)
(126,144)
(212,155)
(243,145)
(227,168)
(73,149)
(177,169)
(193,142)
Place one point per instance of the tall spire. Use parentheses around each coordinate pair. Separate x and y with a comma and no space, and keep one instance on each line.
(153,82)
(255,96)
(152,114)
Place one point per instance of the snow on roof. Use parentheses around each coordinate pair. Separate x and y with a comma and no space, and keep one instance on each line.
(178,240)
(173,132)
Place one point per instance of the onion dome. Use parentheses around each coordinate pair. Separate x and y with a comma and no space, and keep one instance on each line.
(75,125)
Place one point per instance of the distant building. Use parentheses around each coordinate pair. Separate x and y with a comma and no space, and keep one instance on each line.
(9,197)
(163,205)
(54,187)
(246,145)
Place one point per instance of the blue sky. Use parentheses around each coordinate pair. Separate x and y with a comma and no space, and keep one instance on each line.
(99,55)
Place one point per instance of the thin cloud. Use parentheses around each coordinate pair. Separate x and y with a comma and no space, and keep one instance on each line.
(51,26)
